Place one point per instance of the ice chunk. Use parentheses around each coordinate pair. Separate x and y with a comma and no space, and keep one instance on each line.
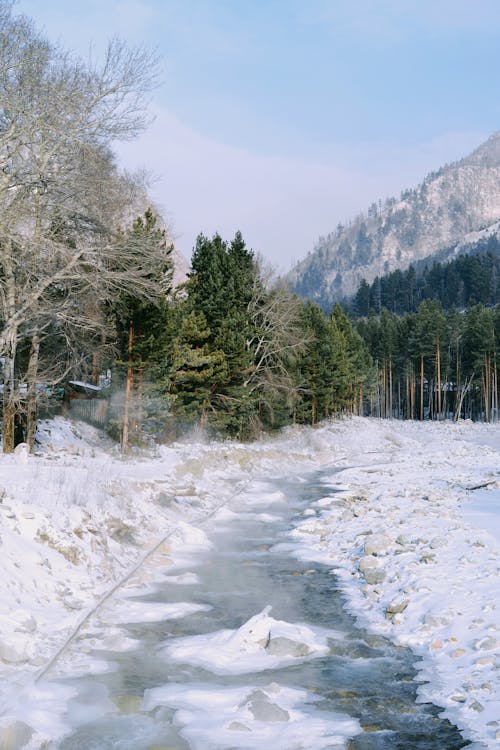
(260,643)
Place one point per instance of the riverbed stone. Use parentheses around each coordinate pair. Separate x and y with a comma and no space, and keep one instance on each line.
(374,576)
(15,735)
(486,644)
(438,542)
(397,605)
(368,561)
(436,621)
(377,544)
(282,646)
(264,709)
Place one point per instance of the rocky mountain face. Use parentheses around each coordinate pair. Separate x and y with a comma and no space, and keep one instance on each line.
(447,213)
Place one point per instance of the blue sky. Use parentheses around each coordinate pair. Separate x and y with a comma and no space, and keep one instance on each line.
(284,117)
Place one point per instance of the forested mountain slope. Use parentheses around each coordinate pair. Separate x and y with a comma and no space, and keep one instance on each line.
(450,210)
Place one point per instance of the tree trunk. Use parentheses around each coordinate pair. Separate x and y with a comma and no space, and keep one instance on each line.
(95,368)
(390,386)
(495,388)
(138,422)
(31,395)
(129,385)
(421,387)
(9,392)
(438,363)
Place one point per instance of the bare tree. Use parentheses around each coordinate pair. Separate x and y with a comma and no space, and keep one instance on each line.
(61,197)
(277,338)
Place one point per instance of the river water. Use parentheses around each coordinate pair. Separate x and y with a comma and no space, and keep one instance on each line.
(359,692)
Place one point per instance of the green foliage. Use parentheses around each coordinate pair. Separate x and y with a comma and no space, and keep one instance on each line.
(465,281)
(236,357)
(433,359)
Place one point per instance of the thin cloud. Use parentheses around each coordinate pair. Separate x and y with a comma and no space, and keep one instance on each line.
(393,20)
(280,204)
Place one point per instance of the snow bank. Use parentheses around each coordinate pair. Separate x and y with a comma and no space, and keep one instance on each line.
(76,521)
(415,564)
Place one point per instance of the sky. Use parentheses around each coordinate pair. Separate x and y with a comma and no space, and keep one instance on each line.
(282,118)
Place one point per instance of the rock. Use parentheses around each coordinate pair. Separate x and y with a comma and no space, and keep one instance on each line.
(435,621)
(458,697)
(368,561)
(15,735)
(399,604)
(263,709)
(484,661)
(457,653)
(428,557)
(128,704)
(437,542)
(374,576)
(377,544)
(486,644)
(281,646)
(403,541)
(435,645)
(476,706)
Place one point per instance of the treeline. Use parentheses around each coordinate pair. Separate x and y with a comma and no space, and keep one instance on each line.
(433,364)
(465,281)
(235,355)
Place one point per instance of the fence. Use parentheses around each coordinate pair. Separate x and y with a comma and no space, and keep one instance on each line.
(92,410)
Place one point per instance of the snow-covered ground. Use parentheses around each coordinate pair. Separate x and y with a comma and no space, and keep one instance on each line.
(418,563)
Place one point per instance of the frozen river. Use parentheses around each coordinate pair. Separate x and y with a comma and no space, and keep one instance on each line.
(197,660)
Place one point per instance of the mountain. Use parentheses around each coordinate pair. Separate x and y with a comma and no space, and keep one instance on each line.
(451,210)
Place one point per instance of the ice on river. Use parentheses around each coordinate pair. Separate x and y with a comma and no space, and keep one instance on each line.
(219,718)
(259,644)
(128,612)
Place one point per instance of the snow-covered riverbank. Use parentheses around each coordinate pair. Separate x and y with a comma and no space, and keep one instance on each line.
(76,519)
(414,566)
